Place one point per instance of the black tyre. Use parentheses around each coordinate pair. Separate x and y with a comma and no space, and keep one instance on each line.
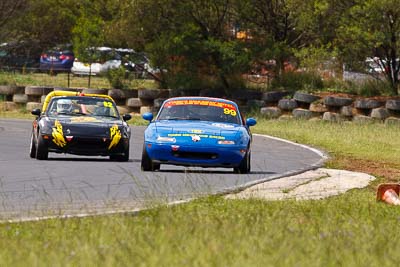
(95,91)
(147,164)
(368,104)
(134,102)
(42,153)
(32,148)
(393,104)
(37,90)
(274,96)
(245,165)
(10,90)
(148,93)
(337,101)
(124,157)
(305,98)
(20,98)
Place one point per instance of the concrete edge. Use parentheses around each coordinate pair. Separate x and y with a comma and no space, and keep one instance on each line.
(324,157)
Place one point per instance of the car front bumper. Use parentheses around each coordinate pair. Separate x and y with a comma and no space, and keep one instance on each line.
(228,156)
(89,146)
(56,66)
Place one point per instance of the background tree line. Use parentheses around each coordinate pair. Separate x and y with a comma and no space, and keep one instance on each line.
(194,42)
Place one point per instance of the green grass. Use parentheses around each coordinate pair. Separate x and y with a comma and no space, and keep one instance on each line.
(372,141)
(352,230)
(61,80)
(348,230)
(16,114)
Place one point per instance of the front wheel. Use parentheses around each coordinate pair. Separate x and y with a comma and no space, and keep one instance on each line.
(123,157)
(244,166)
(32,148)
(42,153)
(147,164)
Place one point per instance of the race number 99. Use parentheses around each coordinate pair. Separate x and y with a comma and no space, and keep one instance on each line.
(228,111)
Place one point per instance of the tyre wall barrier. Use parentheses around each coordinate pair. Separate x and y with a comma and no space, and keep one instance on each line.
(272,105)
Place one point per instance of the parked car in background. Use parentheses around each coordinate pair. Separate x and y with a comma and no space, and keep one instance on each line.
(116,58)
(19,55)
(375,66)
(57,60)
(112,58)
(80,67)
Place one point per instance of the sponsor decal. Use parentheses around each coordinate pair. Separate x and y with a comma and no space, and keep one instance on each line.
(115,136)
(219,137)
(84,119)
(196,138)
(222,125)
(58,136)
(229,109)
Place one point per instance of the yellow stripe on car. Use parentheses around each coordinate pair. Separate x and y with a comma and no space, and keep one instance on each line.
(58,135)
(69,93)
(115,135)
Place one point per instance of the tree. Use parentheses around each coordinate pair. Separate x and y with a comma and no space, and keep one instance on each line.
(274,27)
(371,28)
(46,22)
(87,37)
(8,10)
(192,50)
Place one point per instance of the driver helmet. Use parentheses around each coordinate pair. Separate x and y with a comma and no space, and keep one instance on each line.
(64,105)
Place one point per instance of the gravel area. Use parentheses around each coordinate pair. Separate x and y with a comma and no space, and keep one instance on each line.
(315,184)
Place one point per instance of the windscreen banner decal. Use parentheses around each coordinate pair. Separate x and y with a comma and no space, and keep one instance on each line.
(226,106)
(84,119)
(219,137)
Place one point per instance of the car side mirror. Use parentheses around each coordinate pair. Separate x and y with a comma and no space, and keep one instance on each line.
(251,122)
(126,117)
(148,116)
(36,112)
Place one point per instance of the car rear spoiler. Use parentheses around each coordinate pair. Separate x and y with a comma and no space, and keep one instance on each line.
(69,93)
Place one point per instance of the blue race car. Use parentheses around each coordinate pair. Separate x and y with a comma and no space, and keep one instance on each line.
(198,131)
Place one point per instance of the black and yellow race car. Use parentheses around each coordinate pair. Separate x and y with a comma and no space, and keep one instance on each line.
(80,124)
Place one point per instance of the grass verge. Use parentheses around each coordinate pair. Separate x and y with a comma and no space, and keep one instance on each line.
(348,230)
(373,148)
(61,80)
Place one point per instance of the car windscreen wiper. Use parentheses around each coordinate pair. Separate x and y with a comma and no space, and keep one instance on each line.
(107,116)
(180,118)
(77,113)
(172,119)
(61,113)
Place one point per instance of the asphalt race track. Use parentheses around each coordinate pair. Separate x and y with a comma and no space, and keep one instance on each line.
(69,184)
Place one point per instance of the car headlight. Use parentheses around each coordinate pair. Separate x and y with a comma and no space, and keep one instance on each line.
(226,142)
(166,139)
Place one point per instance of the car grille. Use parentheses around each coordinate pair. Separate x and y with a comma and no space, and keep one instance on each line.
(195,155)
(87,144)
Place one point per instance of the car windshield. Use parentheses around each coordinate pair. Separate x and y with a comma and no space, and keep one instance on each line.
(203,110)
(82,106)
